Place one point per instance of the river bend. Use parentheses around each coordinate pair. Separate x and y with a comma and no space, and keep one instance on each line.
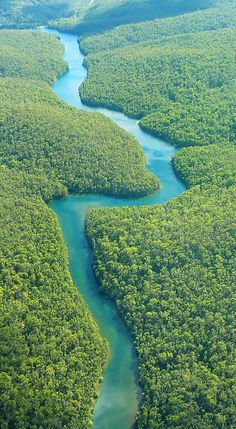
(117,404)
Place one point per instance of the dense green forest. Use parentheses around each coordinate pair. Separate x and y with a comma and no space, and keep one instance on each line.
(205,165)
(31,54)
(74,147)
(171,271)
(21,91)
(52,355)
(99,15)
(30,13)
(51,351)
(154,30)
(181,86)
(86,16)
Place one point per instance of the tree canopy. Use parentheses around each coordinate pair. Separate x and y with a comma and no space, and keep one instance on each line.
(99,15)
(86,152)
(171,269)
(171,272)
(51,352)
(180,84)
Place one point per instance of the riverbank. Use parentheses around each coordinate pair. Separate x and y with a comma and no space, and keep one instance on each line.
(119,386)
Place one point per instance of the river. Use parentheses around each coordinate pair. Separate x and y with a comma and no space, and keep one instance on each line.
(117,404)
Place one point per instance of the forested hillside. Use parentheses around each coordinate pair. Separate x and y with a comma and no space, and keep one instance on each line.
(98,15)
(152,31)
(74,147)
(211,164)
(21,91)
(86,16)
(52,355)
(182,87)
(30,13)
(171,272)
(51,351)
(31,55)
(171,269)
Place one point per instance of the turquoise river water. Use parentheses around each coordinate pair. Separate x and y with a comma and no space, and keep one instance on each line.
(117,404)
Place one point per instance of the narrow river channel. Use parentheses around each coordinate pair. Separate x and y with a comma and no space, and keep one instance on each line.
(117,404)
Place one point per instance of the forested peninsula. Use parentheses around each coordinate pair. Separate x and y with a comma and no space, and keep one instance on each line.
(51,350)
(179,81)
(171,272)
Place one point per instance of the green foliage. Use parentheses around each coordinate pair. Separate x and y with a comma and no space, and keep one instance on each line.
(152,31)
(85,16)
(171,272)
(171,269)
(30,13)
(31,55)
(207,165)
(182,87)
(51,351)
(21,91)
(52,354)
(99,15)
(85,152)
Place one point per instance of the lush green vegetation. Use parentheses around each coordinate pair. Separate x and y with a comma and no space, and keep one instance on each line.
(171,272)
(31,54)
(52,355)
(21,91)
(99,15)
(73,147)
(51,351)
(30,13)
(91,16)
(152,31)
(171,269)
(181,86)
(211,164)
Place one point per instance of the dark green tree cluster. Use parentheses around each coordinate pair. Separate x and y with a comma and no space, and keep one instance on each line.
(42,135)
(182,87)
(213,164)
(85,152)
(31,55)
(100,15)
(31,13)
(152,31)
(51,351)
(171,272)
